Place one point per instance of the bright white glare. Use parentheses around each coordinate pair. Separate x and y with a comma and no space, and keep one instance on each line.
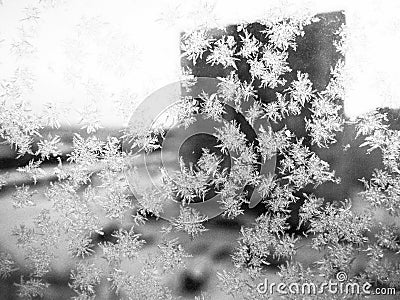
(154,27)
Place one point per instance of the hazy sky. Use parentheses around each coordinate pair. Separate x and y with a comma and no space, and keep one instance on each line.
(111,52)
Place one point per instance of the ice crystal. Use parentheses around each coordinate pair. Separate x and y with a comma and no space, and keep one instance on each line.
(254,112)
(301,90)
(212,107)
(267,185)
(195,44)
(142,136)
(235,91)
(86,152)
(90,119)
(172,254)
(116,200)
(250,45)
(370,122)
(85,278)
(31,288)
(282,30)
(127,246)
(32,170)
(209,162)
(337,223)
(187,78)
(18,124)
(188,183)
(190,221)
(270,67)
(80,246)
(271,142)
(336,88)
(52,114)
(91,186)
(23,197)
(231,137)
(49,147)
(7,265)
(223,52)
(263,241)
(341,44)
(186,111)
(232,205)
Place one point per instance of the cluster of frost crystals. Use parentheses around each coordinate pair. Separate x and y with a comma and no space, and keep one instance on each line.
(195,43)
(282,29)
(326,106)
(325,122)
(270,67)
(90,185)
(232,89)
(7,265)
(383,189)
(381,192)
(19,125)
(31,288)
(265,240)
(223,52)
(87,185)
(142,136)
(22,128)
(166,259)
(190,221)
(337,231)
(84,279)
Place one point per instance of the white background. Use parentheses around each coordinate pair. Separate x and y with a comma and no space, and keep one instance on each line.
(114,53)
